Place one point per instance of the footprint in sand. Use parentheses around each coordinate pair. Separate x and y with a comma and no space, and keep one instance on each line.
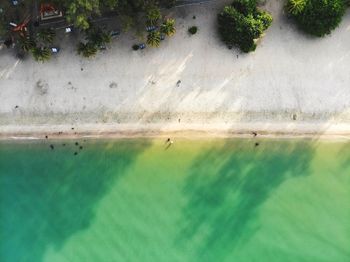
(42,87)
(70,86)
(113,85)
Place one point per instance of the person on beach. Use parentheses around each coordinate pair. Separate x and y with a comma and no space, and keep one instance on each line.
(169,142)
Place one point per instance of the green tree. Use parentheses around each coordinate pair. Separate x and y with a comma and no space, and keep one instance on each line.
(87,50)
(241,25)
(46,35)
(80,12)
(245,7)
(168,27)
(97,37)
(317,17)
(295,7)
(127,22)
(41,54)
(26,43)
(153,15)
(193,30)
(153,38)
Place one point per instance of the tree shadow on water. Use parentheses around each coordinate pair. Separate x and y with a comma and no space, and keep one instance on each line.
(227,186)
(46,196)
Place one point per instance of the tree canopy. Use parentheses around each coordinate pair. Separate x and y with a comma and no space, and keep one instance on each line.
(317,17)
(80,12)
(241,23)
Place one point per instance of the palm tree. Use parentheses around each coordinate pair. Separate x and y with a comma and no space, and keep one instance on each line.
(97,37)
(26,43)
(41,54)
(168,27)
(153,38)
(295,7)
(87,50)
(46,35)
(153,15)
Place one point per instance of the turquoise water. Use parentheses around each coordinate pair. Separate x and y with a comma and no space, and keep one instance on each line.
(198,200)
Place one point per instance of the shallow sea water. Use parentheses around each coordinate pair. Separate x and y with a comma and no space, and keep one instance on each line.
(198,200)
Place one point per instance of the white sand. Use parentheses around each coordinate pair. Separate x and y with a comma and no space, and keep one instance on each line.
(125,92)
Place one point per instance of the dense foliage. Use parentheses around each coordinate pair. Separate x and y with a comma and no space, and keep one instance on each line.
(41,54)
(241,24)
(168,27)
(95,39)
(154,38)
(153,15)
(317,17)
(46,35)
(193,30)
(31,36)
(26,44)
(87,49)
(81,12)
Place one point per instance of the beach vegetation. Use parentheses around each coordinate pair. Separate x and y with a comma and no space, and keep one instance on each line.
(26,43)
(193,30)
(135,47)
(295,7)
(168,27)
(87,49)
(41,54)
(127,22)
(97,37)
(80,12)
(245,7)
(242,23)
(83,15)
(46,35)
(317,17)
(154,38)
(153,15)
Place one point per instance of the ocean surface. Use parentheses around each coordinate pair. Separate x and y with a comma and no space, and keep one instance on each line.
(197,200)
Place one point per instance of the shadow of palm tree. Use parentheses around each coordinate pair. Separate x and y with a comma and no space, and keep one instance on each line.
(47,196)
(225,195)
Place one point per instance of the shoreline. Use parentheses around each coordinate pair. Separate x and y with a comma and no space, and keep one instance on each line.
(192,131)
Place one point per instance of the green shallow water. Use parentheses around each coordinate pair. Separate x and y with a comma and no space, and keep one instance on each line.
(199,200)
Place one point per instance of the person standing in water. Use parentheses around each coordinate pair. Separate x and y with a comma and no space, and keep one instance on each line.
(169,142)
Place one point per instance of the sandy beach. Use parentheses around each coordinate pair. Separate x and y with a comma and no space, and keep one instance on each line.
(293,84)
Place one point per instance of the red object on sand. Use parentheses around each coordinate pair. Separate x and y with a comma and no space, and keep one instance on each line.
(22,27)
